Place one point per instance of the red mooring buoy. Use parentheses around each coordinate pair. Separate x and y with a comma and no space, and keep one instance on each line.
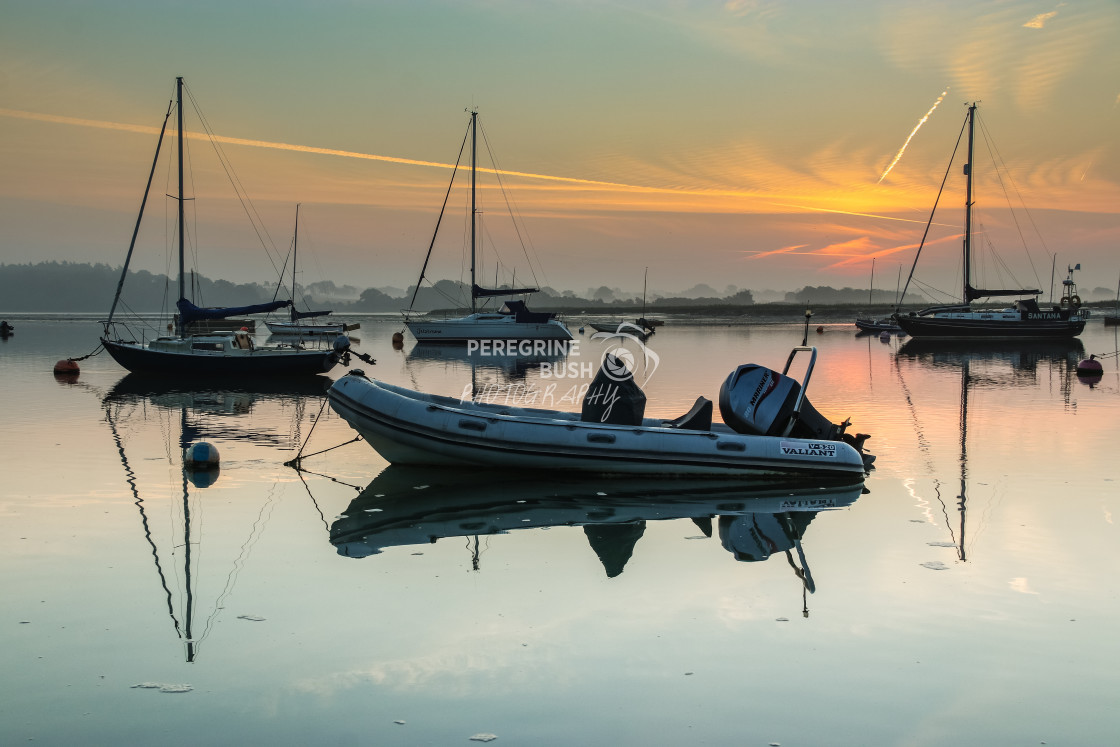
(1090,367)
(67,366)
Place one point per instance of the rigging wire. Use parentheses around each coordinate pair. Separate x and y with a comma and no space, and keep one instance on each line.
(247,205)
(1000,170)
(523,238)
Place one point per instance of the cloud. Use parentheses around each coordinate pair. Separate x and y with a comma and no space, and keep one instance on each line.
(1040,20)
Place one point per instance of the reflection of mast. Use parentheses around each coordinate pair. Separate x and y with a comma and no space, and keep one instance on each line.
(130,477)
(189,617)
(961,499)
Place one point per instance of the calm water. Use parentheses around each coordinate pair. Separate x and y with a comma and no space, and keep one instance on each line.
(969,596)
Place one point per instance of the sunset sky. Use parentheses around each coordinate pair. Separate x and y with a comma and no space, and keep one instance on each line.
(730,143)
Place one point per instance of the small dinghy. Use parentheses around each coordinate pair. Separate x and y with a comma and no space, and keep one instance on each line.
(770,430)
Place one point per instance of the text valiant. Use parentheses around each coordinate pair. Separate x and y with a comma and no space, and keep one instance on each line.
(808,448)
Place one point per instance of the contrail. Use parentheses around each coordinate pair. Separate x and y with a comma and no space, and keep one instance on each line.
(609,186)
(913,132)
(145,129)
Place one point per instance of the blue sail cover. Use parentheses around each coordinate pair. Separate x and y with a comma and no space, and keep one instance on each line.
(188,312)
(297,315)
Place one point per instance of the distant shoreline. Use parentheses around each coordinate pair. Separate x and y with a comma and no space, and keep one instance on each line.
(708,315)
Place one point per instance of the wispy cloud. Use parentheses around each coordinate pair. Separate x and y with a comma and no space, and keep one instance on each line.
(1040,20)
(773,252)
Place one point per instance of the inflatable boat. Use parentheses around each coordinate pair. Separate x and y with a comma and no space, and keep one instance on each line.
(770,430)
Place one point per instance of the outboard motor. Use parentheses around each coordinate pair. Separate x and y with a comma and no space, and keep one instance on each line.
(760,401)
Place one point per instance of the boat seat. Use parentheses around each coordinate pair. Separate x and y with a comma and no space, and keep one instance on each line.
(699,418)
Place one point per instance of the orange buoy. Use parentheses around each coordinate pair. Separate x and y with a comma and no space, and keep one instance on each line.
(398,338)
(67,366)
(820,330)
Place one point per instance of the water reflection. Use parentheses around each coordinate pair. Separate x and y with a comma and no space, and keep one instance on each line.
(219,408)
(983,364)
(1022,355)
(152,422)
(753,521)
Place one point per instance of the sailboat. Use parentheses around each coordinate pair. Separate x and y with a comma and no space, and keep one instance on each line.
(1025,319)
(642,327)
(513,321)
(217,353)
(881,324)
(297,324)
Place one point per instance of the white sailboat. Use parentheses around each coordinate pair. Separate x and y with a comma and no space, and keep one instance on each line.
(301,321)
(513,321)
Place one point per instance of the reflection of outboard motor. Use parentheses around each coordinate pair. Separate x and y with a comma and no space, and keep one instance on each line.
(758,400)
(751,537)
(614,397)
(340,353)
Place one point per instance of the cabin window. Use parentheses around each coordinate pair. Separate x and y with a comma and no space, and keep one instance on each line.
(206,346)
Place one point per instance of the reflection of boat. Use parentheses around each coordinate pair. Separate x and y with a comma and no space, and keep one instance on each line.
(214,353)
(1022,354)
(985,365)
(514,321)
(409,506)
(300,323)
(136,407)
(1025,319)
(219,408)
(771,429)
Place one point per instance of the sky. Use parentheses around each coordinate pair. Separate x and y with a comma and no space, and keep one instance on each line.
(764,145)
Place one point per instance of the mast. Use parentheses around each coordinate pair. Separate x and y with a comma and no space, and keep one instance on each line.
(474,214)
(295,249)
(645,285)
(182,218)
(968,205)
(871,290)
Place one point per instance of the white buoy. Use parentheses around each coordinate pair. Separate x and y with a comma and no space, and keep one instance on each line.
(201,456)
